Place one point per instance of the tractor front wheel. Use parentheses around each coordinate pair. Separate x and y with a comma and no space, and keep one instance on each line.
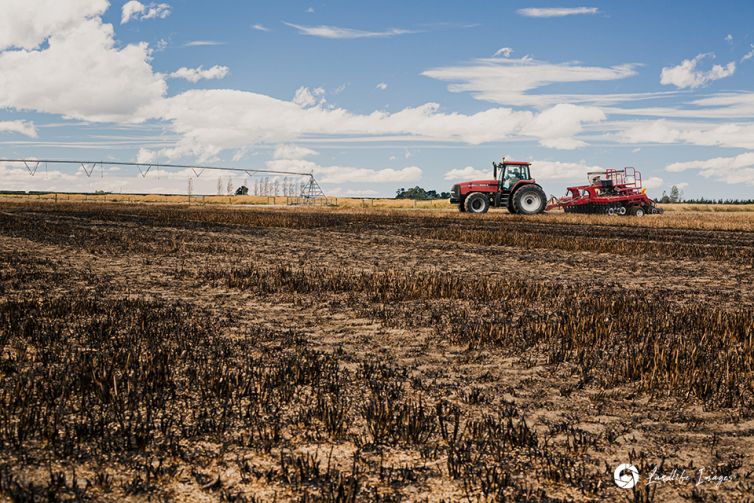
(529,200)
(477,203)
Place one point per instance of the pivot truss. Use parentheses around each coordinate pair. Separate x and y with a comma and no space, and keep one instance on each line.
(310,192)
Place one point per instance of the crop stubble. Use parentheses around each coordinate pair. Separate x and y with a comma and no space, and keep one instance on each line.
(243,354)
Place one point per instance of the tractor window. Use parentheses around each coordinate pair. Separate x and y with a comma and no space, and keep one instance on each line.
(513,174)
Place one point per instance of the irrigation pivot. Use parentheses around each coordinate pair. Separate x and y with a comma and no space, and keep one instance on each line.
(311,192)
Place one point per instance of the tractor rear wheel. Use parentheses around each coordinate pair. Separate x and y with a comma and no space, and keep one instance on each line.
(529,200)
(477,203)
(638,212)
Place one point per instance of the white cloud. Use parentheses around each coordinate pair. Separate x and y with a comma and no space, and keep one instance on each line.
(288,151)
(382,86)
(196,74)
(25,24)
(557,126)
(203,43)
(467,173)
(306,97)
(714,106)
(729,38)
(686,76)
(507,81)
(748,55)
(25,128)
(81,74)
(732,170)
(210,121)
(157,11)
(556,11)
(260,27)
(335,32)
(504,52)
(728,134)
(557,170)
(339,191)
(135,10)
(682,185)
(130,10)
(145,156)
(338,174)
(347,174)
(653,182)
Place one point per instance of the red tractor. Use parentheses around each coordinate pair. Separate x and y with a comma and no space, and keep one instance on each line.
(511,187)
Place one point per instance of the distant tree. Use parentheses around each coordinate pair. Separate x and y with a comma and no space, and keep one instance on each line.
(675,195)
(420,193)
(664,199)
(243,190)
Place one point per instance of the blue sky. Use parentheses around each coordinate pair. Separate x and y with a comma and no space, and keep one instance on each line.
(372,96)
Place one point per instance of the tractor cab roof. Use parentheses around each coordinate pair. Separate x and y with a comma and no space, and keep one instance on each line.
(516,163)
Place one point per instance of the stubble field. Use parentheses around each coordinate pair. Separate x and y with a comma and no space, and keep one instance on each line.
(259,354)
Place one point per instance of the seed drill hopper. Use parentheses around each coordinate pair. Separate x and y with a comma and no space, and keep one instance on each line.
(610,192)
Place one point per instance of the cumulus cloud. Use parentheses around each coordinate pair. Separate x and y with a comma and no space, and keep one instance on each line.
(467,173)
(347,174)
(131,9)
(508,80)
(557,170)
(339,191)
(25,24)
(145,156)
(25,128)
(339,174)
(382,86)
(135,10)
(734,170)
(306,97)
(556,127)
(556,11)
(288,151)
(686,75)
(80,74)
(729,134)
(196,74)
(653,182)
(335,32)
(505,52)
(212,120)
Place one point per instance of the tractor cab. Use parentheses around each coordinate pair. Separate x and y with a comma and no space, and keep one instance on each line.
(512,173)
